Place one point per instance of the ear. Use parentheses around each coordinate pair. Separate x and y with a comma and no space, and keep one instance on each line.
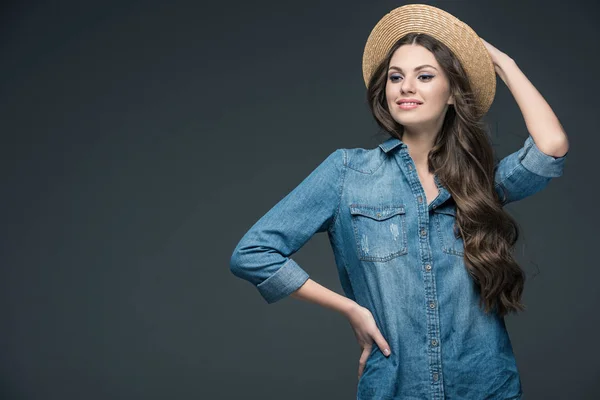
(451,99)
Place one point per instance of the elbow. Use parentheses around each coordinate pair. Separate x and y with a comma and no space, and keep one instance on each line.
(236,264)
(562,149)
(558,149)
(274,275)
(245,263)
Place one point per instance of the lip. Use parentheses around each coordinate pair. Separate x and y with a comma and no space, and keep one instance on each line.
(409,100)
(407,106)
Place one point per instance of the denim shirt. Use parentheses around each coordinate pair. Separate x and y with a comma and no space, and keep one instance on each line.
(402,259)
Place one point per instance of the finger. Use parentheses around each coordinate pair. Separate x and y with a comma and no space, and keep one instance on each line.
(363,360)
(382,343)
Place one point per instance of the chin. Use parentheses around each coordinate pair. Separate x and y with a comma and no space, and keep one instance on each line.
(409,121)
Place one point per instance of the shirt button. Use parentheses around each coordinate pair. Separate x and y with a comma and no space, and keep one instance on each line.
(432,305)
(420,198)
(423,232)
(379,214)
(410,166)
(435,376)
(434,342)
(428,267)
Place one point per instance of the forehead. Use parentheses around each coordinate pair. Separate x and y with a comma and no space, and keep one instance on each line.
(409,56)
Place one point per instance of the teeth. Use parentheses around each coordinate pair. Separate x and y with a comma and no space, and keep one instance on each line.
(410,104)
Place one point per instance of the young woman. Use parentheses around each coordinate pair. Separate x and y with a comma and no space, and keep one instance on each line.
(421,241)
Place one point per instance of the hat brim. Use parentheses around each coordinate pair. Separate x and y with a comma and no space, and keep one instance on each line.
(459,37)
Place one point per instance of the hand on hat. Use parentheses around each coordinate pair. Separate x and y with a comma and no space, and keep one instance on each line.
(496,54)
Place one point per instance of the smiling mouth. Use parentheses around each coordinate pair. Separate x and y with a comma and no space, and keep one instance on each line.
(408,106)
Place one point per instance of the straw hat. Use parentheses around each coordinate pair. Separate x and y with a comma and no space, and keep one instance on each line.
(458,36)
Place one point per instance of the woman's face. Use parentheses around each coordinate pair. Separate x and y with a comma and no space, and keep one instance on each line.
(428,85)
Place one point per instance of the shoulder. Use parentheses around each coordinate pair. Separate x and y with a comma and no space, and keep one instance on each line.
(363,160)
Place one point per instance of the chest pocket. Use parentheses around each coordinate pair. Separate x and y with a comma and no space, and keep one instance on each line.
(445,220)
(379,231)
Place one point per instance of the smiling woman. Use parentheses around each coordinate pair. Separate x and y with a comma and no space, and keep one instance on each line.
(422,244)
(406,103)
(424,89)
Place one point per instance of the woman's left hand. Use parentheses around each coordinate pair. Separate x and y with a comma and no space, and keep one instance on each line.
(497,57)
(494,52)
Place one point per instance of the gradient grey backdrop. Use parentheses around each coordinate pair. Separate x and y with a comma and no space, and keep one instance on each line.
(140,140)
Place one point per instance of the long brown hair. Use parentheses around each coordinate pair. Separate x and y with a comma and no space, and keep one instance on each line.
(463,160)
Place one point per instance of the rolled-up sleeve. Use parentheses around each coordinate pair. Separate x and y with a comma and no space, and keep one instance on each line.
(526,172)
(262,256)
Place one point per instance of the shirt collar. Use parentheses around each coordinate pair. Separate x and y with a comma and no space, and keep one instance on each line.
(391,143)
(394,142)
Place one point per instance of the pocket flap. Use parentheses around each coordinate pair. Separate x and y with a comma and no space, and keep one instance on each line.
(378,213)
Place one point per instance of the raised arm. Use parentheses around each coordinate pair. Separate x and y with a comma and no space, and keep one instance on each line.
(542,157)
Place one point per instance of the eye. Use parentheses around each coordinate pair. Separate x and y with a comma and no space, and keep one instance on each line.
(425,76)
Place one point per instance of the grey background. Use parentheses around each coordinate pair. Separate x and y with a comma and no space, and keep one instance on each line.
(140,140)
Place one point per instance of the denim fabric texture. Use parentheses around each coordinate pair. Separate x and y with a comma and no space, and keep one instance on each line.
(403,260)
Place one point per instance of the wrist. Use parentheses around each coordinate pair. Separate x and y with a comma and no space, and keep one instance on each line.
(504,64)
(349,307)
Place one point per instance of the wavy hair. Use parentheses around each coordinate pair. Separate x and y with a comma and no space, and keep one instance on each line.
(463,160)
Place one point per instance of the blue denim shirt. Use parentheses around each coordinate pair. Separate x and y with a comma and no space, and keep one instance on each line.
(401,258)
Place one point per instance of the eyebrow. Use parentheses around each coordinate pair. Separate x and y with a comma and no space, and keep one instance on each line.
(416,69)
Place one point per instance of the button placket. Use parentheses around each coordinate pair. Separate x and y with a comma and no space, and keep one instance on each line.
(429,278)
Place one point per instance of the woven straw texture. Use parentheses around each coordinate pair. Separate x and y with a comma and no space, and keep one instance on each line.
(458,36)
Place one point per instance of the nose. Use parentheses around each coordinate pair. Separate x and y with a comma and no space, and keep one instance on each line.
(407,86)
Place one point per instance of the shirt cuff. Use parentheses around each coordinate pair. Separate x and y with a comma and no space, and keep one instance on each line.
(541,163)
(282,283)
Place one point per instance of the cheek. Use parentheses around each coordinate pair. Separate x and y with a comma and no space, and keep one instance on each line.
(389,97)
